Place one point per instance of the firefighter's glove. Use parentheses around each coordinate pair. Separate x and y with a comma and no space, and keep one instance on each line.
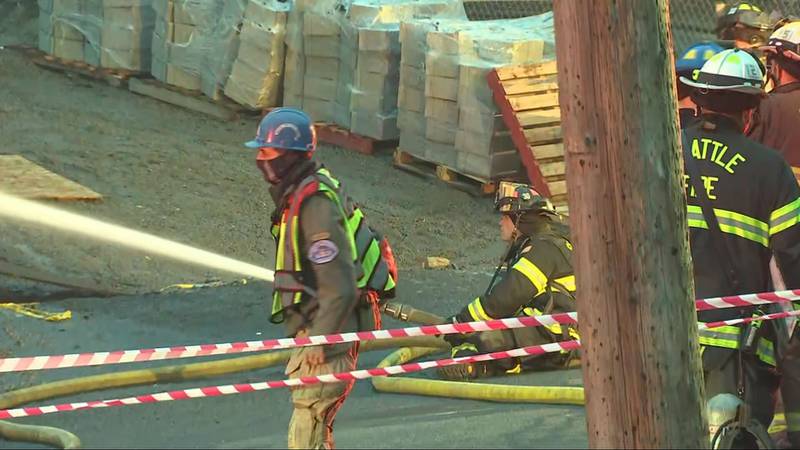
(463,372)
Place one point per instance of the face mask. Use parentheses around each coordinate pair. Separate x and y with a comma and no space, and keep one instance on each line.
(275,170)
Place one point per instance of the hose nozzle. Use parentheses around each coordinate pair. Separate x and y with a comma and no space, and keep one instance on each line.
(406,313)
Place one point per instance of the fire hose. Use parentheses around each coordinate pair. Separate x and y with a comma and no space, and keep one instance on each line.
(410,348)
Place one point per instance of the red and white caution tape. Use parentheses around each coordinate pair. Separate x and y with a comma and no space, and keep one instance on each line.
(155,354)
(228,389)
(734,301)
(30,363)
(773,316)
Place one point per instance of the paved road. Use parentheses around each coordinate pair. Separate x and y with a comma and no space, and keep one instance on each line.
(258,420)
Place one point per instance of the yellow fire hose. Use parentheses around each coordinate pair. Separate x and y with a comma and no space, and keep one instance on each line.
(412,348)
(169,374)
(455,389)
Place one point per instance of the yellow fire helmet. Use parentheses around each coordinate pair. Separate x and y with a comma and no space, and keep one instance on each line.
(513,198)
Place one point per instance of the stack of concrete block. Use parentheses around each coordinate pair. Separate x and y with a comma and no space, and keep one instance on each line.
(257,71)
(295,62)
(484,144)
(441,92)
(374,95)
(376,89)
(222,48)
(321,49)
(114,34)
(177,49)
(411,95)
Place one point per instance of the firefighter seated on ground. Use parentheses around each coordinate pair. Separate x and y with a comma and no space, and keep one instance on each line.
(538,279)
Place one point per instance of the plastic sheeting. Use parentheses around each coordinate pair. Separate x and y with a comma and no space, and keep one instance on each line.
(447,113)
(113,34)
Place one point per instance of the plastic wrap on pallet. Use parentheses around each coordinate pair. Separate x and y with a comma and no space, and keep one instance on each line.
(258,69)
(114,34)
(343,60)
(195,42)
(444,94)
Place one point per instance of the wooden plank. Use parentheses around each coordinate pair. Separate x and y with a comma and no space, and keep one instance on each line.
(422,167)
(530,71)
(198,103)
(548,150)
(543,135)
(557,187)
(23,178)
(535,177)
(553,169)
(536,101)
(530,86)
(539,117)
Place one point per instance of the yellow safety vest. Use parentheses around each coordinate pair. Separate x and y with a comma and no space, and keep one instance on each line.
(372,271)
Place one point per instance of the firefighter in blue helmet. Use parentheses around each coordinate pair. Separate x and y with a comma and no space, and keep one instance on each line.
(331,268)
(687,66)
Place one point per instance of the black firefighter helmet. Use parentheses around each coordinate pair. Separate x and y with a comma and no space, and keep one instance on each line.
(517,199)
(746,22)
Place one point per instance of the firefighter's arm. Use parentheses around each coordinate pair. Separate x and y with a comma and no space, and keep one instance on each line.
(325,246)
(784,228)
(525,280)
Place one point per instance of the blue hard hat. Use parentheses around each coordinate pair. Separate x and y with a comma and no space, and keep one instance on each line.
(285,129)
(695,56)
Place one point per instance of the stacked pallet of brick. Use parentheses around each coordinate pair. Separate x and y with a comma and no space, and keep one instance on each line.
(441,92)
(447,113)
(375,90)
(222,48)
(321,48)
(295,63)
(411,94)
(113,34)
(195,43)
(347,55)
(257,71)
(177,39)
(485,147)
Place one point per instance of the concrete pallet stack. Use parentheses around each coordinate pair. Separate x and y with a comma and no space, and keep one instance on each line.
(321,48)
(222,48)
(376,91)
(441,92)
(349,61)
(295,63)
(411,96)
(114,34)
(484,144)
(177,42)
(257,71)
(377,81)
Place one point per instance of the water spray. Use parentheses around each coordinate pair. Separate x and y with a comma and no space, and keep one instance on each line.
(29,211)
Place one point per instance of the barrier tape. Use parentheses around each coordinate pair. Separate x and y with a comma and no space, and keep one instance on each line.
(229,389)
(156,354)
(30,363)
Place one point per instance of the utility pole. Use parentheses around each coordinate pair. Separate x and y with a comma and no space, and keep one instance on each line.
(641,364)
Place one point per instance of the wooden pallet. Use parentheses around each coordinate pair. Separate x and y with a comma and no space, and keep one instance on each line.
(407,162)
(23,178)
(527,97)
(223,109)
(113,77)
(332,134)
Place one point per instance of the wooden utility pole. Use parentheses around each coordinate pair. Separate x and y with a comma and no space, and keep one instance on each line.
(641,361)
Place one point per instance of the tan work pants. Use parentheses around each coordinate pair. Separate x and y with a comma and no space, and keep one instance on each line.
(315,406)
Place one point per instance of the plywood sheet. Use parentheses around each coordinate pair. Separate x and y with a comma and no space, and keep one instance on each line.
(23,178)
